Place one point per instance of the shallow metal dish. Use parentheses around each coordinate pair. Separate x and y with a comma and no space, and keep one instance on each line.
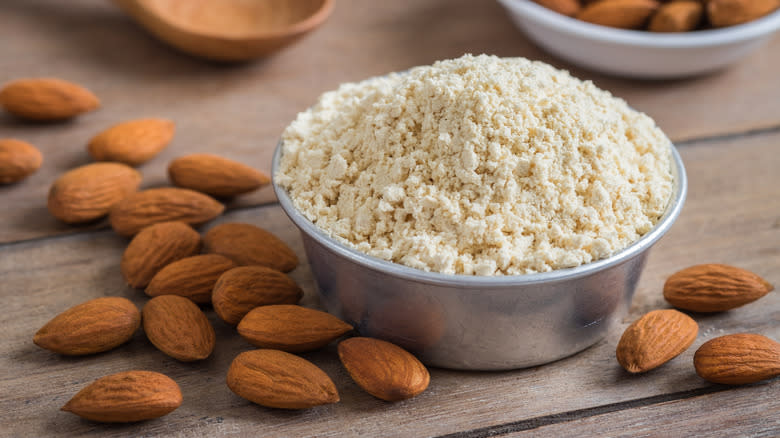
(472,322)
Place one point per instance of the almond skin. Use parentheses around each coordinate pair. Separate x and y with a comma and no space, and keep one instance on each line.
(247,244)
(154,248)
(654,339)
(126,397)
(152,206)
(89,192)
(738,359)
(732,12)
(382,369)
(677,16)
(90,327)
(623,14)
(191,277)
(714,288)
(215,175)
(178,328)
(46,99)
(241,289)
(133,142)
(290,328)
(18,160)
(276,379)
(565,7)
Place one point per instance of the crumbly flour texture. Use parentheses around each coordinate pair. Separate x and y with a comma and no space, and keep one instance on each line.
(478,165)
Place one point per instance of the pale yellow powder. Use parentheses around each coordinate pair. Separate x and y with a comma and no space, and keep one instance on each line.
(478,165)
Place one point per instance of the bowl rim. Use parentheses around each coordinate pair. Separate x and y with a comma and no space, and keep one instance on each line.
(697,39)
(672,211)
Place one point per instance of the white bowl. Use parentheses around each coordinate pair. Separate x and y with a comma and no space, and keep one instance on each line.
(639,54)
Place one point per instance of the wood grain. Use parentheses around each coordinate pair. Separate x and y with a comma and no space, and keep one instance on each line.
(240,110)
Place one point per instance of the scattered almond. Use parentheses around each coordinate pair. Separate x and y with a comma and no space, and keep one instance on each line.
(290,328)
(732,12)
(134,142)
(155,247)
(152,206)
(565,7)
(178,328)
(714,288)
(654,339)
(90,327)
(247,244)
(45,99)
(215,175)
(382,369)
(18,160)
(191,277)
(738,359)
(677,16)
(126,397)
(623,14)
(241,289)
(89,192)
(276,379)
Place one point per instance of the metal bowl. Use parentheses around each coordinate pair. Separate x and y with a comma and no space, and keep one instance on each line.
(473,322)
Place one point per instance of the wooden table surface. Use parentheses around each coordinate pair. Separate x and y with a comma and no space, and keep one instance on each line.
(726,126)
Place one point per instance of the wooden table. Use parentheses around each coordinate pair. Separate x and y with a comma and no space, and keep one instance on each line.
(726,125)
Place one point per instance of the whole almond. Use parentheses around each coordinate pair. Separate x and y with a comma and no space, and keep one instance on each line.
(276,379)
(382,369)
(133,142)
(714,288)
(154,248)
(623,14)
(247,244)
(654,339)
(738,359)
(191,277)
(677,16)
(732,12)
(241,289)
(291,328)
(44,99)
(90,327)
(89,192)
(152,206)
(178,328)
(215,175)
(126,397)
(18,160)
(565,7)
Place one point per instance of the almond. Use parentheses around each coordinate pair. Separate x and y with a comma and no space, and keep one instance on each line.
(126,397)
(382,369)
(18,160)
(290,328)
(178,328)
(654,339)
(155,247)
(623,14)
(247,244)
(732,12)
(241,289)
(190,277)
(215,175)
(152,206)
(276,379)
(91,327)
(714,288)
(565,7)
(738,359)
(133,142)
(46,99)
(89,192)
(677,16)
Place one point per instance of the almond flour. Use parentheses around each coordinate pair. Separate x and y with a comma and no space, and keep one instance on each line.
(478,165)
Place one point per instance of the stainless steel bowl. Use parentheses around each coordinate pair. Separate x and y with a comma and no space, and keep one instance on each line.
(472,322)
